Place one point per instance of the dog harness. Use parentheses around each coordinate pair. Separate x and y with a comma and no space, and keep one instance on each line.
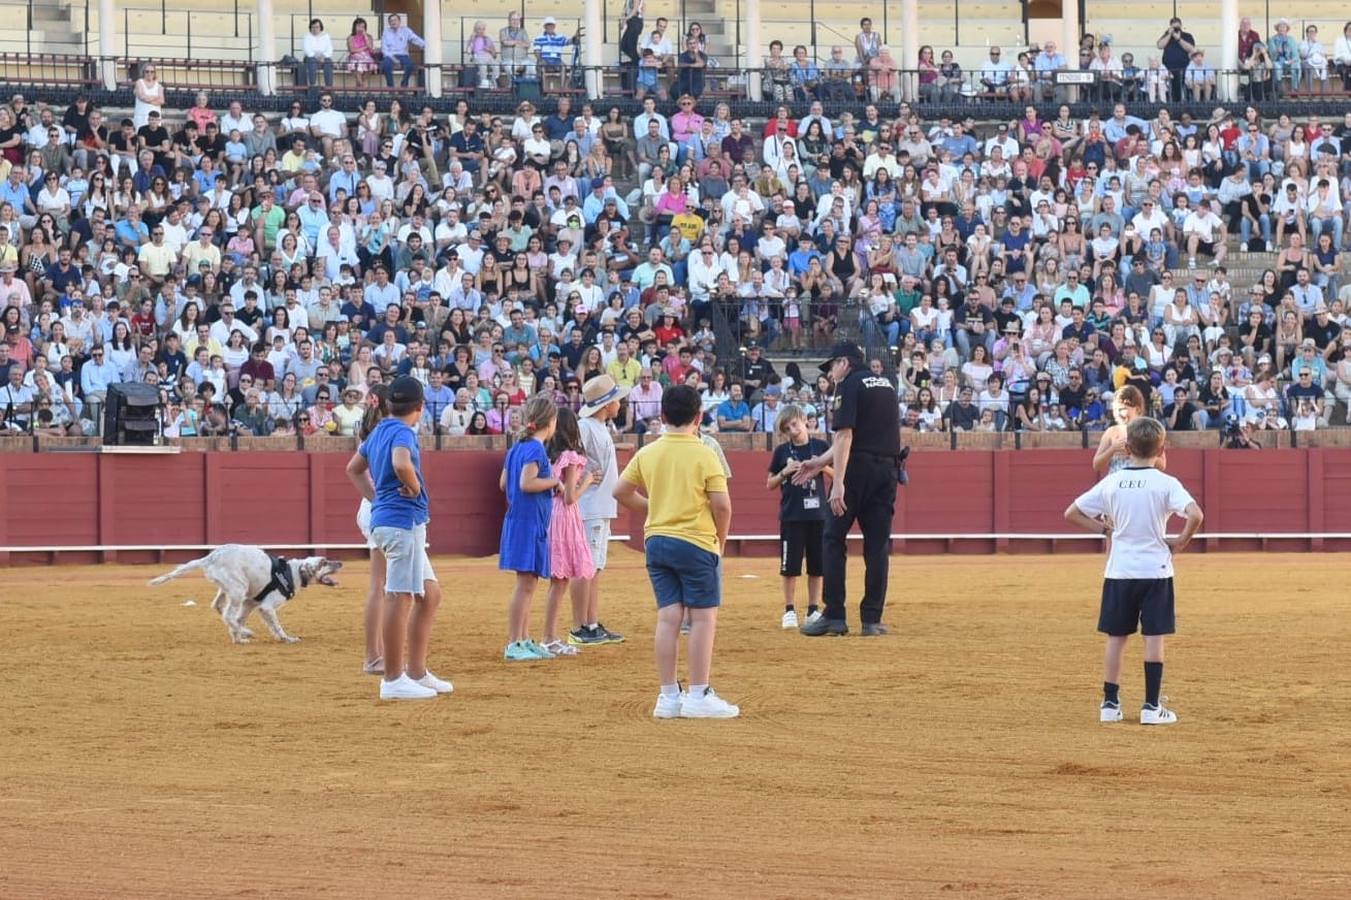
(281,580)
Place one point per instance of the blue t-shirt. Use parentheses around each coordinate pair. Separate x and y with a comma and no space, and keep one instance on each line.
(392,509)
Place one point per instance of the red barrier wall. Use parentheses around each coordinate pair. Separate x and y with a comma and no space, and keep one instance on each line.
(272,498)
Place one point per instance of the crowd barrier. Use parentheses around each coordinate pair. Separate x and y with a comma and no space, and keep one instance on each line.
(91,507)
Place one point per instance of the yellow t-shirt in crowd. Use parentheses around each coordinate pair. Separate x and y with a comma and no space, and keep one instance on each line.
(677,473)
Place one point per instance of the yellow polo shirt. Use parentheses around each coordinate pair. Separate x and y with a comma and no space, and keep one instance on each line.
(677,473)
(626,373)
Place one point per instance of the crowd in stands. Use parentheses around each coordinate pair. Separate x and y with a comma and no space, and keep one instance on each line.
(665,64)
(265,271)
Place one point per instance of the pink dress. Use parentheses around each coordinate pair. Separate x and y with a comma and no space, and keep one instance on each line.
(569,555)
(359,56)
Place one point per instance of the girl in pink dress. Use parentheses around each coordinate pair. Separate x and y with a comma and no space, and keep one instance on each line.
(569,555)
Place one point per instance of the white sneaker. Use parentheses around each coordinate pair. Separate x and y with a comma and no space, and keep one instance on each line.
(816,615)
(668,707)
(1191,263)
(440,685)
(1157,715)
(1109,712)
(709,706)
(405,688)
(790,619)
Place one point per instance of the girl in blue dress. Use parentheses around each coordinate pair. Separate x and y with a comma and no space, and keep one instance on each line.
(529,485)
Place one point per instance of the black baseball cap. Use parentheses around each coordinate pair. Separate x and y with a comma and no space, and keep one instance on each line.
(405,390)
(844,349)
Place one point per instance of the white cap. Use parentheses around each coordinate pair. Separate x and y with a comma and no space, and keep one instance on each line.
(550,20)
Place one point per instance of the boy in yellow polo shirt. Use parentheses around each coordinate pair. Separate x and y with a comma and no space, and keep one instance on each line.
(684,496)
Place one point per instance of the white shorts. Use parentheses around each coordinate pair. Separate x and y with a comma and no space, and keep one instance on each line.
(598,540)
(407,566)
(364,522)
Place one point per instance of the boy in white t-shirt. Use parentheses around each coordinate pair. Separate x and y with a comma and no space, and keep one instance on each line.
(601,398)
(1133,505)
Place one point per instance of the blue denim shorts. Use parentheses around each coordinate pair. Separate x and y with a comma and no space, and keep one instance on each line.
(684,573)
(407,568)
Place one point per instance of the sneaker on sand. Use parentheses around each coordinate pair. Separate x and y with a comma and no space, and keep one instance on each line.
(374,667)
(790,619)
(1109,712)
(874,629)
(517,651)
(608,636)
(558,648)
(709,706)
(824,626)
(668,707)
(440,685)
(1157,715)
(405,688)
(539,651)
(814,615)
(580,637)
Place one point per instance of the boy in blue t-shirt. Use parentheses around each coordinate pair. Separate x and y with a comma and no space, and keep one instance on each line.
(399,514)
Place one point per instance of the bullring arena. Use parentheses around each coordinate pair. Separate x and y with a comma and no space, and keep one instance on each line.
(146,756)
(227,230)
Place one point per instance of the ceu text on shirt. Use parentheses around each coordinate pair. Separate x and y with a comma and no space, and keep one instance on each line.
(1139,502)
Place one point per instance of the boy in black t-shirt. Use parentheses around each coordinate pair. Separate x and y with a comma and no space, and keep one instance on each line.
(802,513)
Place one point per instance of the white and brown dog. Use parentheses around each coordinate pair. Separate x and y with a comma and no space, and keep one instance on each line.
(247,578)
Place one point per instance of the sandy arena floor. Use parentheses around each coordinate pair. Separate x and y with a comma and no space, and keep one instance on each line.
(142,755)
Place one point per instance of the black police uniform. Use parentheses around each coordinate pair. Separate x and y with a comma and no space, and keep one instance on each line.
(867,404)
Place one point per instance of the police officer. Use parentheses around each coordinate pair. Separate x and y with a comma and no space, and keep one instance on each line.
(865,455)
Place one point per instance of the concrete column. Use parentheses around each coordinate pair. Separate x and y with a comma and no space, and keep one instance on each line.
(107,48)
(751,39)
(267,49)
(434,54)
(1228,77)
(593,47)
(909,56)
(1069,36)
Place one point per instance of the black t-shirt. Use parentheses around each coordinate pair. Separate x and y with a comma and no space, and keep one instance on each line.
(1297,392)
(806,503)
(1175,56)
(1213,401)
(962,417)
(972,315)
(1184,415)
(1072,397)
(1322,334)
(867,404)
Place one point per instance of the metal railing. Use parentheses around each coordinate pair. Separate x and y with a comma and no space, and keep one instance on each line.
(852,87)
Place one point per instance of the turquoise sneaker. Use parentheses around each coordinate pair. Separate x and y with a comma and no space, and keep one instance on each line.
(518,651)
(537,649)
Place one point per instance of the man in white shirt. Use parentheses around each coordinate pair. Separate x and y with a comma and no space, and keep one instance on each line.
(227,323)
(1150,217)
(1004,141)
(327,124)
(1205,233)
(236,120)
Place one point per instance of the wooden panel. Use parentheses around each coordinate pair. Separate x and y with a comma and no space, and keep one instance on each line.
(50,499)
(152,499)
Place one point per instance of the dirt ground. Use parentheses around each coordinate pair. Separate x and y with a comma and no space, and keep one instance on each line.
(142,755)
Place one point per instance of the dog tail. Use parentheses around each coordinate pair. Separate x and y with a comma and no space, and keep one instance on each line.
(181,570)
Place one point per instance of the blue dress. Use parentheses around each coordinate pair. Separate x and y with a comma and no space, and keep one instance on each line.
(525,531)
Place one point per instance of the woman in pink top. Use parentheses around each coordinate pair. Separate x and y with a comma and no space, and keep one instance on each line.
(885,77)
(671,203)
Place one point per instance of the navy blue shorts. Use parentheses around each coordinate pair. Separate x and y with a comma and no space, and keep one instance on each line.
(1131,603)
(682,572)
